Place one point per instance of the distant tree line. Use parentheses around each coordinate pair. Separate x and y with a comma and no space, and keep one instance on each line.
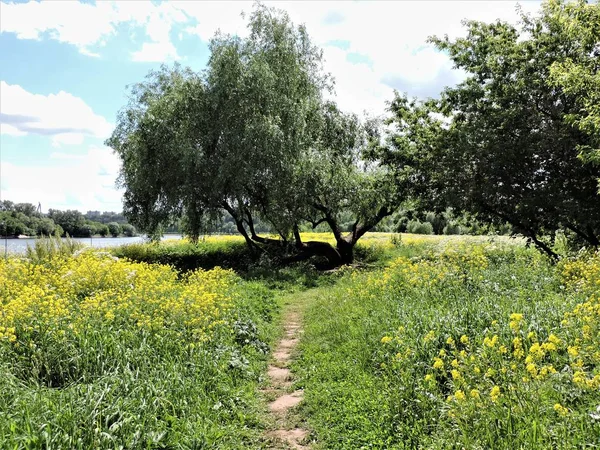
(17,219)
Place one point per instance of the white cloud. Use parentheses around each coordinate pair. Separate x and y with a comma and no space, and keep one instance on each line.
(81,181)
(64,117)
(156,52)
(88,26)
(77,23)
(10,130)
(213,16)
(391,35)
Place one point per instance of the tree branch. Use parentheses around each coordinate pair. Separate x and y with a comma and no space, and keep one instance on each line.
(331,221)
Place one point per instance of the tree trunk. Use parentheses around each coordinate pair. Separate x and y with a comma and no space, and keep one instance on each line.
(239,223)
(346,250)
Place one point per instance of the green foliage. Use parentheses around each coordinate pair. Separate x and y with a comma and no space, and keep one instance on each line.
(187,256)
(580,78)
(114,229)
(416,227)
(452,228)
(501,145)
(24,219)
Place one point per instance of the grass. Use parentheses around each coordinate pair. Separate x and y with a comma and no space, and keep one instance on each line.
(428,342)
(456,344)
(103,353)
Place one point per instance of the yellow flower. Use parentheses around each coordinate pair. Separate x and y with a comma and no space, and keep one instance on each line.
(490,342)
(450,341)
(464,339)
(561,410)
(456,374)
(555,340)
(386,340)
(579,378)
(495,393)
(474,393)
(515,321)
(516,317)
(459,395)
(429,377)
(429,336)
(454,363)
(573,351)
(549,346)
(438,364)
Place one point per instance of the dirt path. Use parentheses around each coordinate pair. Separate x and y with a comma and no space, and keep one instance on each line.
(282,398)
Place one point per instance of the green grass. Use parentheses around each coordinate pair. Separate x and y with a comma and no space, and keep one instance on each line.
(372,334)
(77,378)
(362,392)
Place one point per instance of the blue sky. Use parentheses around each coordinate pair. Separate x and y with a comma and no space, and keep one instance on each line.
(65,65)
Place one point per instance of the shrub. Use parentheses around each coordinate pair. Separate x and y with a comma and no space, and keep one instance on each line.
(114,229)
(416,227)
(452,228)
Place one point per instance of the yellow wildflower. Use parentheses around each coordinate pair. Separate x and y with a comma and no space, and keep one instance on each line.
(561,410)
(495,393)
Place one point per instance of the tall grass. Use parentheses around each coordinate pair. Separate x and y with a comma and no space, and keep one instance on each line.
(456,345)
(99,352)
(47,247)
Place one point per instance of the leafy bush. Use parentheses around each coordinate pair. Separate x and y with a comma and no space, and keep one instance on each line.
(452,228)
(230,253)
(114,229)
(416,227)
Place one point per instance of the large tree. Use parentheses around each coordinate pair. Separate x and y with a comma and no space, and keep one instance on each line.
(503,144)
(252,136)
(581,77)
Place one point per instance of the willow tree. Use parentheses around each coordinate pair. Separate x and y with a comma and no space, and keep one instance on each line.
(250,135)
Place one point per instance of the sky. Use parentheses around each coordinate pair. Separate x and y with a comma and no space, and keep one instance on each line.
(65,67)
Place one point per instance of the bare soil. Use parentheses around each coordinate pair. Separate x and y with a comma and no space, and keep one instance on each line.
(285,435)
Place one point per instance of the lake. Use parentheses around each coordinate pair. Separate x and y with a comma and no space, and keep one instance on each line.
(20,245)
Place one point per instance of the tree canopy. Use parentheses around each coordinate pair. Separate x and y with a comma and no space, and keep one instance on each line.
(504,143)
(251,135)
(516,142)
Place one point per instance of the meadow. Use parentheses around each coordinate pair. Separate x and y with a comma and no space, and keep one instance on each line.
(100,352)
(456,343)
(426,342)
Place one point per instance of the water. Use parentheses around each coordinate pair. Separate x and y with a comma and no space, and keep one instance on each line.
(17,246)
